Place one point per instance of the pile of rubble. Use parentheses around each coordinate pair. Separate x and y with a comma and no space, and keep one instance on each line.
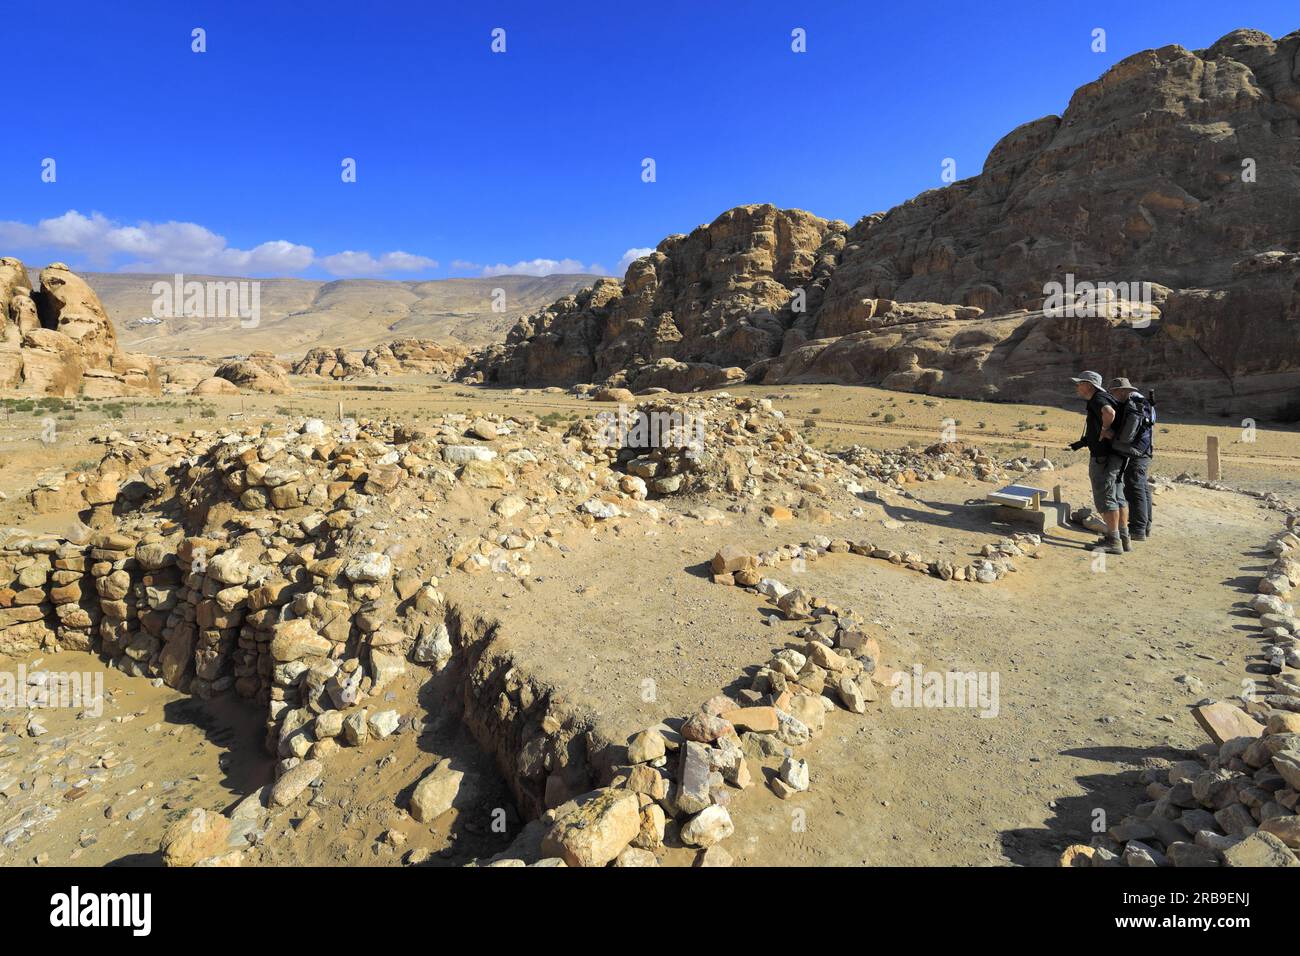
(244,561)
(739,446)
(954,459)
(718,444)
(1236,804)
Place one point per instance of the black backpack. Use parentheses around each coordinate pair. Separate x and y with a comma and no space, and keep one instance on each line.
(1133,433)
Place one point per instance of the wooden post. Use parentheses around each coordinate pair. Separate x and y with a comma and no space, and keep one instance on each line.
(1212,457)
(340,411)
(1056,494)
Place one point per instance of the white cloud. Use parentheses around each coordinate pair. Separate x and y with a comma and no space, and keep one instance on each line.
(630,257)
(542,267)
(186,247)
(363,263)
(547,267)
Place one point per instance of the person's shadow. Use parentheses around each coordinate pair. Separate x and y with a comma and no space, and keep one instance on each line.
(1108,798)
(976,516)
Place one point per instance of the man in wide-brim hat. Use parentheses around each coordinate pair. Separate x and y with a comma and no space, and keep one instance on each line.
(1105,468)
(1136,489)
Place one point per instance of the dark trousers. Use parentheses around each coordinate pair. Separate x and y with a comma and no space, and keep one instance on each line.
(1138,493)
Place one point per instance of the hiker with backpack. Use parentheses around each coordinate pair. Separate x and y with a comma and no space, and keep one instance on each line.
(1134,440)
(1105,466)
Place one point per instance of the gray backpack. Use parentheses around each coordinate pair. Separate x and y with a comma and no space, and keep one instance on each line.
(1133,433)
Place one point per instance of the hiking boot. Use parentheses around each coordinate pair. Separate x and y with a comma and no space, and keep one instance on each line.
(1108,544)
(1126,542)
(1138,536)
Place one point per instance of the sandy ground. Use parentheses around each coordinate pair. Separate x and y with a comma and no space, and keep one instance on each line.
(1087,665)
(101,790)
(101,786)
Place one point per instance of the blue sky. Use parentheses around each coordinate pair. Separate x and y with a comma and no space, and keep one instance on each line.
(229,161)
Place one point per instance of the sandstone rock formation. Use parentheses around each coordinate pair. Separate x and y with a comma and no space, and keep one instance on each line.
(180,376)
(398,356)
(259,372)
(719,296)
(214,386)
(58,340)
(1177,173)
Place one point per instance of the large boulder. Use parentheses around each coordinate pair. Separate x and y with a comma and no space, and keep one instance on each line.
(215,386)
(439,791)
(57,339)
(258,372)
(196,837)
(68,305)
(594,828)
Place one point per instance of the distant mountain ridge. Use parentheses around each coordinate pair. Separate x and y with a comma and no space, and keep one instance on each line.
(297,315)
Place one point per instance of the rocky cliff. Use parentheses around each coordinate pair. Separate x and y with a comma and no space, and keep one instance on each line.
(57,339)
(718,297)
(1175,178)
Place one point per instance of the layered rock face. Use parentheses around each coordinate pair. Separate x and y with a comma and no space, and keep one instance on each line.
(1177,173)
(718,297)
(58,340)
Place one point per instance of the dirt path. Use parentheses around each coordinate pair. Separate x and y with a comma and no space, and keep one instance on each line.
(1087,665)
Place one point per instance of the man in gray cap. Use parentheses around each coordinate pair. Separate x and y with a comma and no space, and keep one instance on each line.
(1105,468)
(1139,449)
